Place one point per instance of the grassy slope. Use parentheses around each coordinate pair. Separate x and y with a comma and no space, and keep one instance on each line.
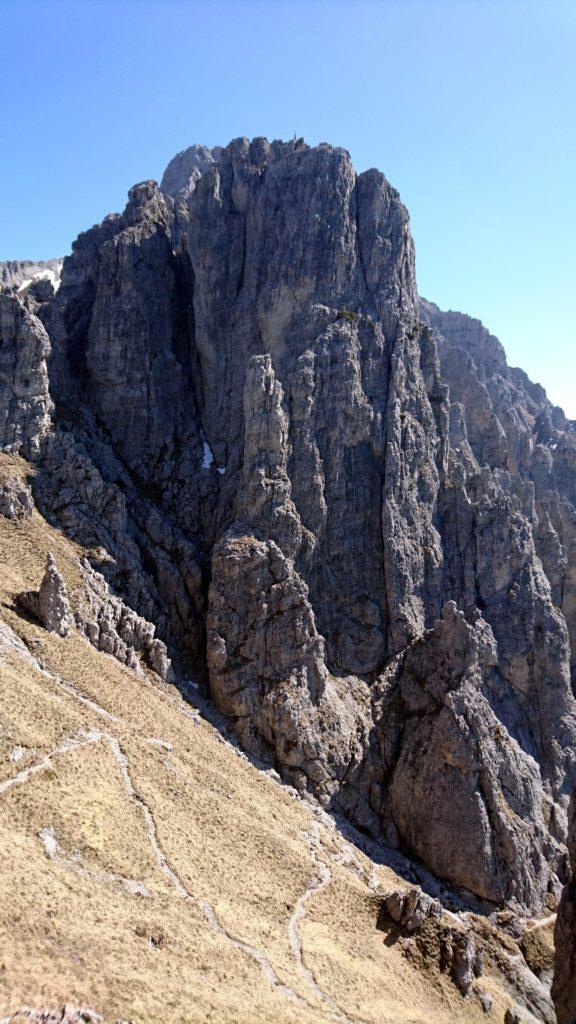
(106,922)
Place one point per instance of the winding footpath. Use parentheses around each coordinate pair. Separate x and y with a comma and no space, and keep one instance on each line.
(328,1006)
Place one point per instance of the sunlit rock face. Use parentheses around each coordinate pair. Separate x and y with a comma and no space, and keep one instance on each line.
(343,512)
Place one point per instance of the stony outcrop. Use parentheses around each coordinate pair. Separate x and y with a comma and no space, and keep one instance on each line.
(105,620)
(344,514)
(16,501)
(446,748)
(411,907)
(68,1014)
(465,957)
(50,604)
(84,488)
(112,627)
(53,604)
(564,985)
(186,168)
(459,953)
(267,670)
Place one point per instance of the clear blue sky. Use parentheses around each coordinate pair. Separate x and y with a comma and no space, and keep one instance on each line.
(469,107)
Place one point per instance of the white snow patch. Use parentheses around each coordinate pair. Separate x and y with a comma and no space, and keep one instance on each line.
(42,275)
(208,459)
(54,277)
(209,462)
(17,754)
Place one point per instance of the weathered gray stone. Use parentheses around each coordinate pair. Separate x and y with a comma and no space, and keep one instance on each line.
(53,603)
(450,750)
(186,168)
(16,501)
(564,984)
(50,604)
(68,1014)
(25,404)
(511,425)
(485,999)
(111,626)
(267,671)
(411,907)
(465,957)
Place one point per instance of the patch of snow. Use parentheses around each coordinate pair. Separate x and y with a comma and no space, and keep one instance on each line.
(41,275)
(208,462)
(208,459)
(51,275)
(17,754)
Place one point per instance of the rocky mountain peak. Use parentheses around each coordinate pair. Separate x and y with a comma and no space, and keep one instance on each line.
(347,518)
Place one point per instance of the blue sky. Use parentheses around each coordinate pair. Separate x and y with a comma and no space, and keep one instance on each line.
(468,106)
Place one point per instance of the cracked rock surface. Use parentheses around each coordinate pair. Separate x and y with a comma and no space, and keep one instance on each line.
(564,985)
(25,403)
(16,500)
(53,603)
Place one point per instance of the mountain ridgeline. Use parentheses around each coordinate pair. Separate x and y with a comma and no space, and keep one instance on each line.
(346,516)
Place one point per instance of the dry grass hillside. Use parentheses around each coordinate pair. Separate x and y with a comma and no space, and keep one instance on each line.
(151,873)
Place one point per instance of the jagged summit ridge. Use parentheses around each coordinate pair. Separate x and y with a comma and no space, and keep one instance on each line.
(19,275)
(188,166)
(378,461)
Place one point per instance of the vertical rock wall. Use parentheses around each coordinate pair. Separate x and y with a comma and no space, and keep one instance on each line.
(290,465)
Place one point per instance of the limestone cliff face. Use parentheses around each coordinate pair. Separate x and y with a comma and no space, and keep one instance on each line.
(25,403)
(342,510)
